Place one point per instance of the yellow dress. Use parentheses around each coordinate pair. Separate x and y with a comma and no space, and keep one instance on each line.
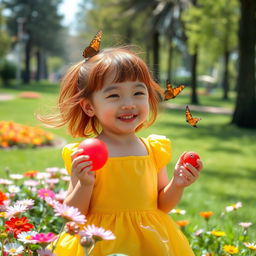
(124,200)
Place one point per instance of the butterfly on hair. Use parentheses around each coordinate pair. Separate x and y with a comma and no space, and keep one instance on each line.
(170,92)
(94,46)
(190,119)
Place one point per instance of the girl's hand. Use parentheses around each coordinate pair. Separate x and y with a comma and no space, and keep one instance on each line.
(185,175)
(81,168)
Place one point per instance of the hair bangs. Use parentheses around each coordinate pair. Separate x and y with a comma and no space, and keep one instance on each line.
(121,64)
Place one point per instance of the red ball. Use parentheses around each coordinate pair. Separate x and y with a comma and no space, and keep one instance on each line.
(96,150)
(191,158)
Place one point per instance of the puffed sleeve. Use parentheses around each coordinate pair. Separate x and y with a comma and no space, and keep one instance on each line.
(66,155)
(161,148)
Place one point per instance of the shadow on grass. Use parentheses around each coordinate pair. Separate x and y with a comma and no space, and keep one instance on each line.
(208,127)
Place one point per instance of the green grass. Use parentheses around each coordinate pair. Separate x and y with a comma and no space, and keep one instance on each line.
(228,153)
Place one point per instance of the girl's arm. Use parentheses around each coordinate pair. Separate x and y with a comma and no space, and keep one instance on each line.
(170,192)
(81,184)
(79,195)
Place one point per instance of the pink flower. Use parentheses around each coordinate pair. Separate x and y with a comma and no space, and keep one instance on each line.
(96,233)
(245,224)
(51,202)
(42,238)
(15,210)
(69,213)
(43,193)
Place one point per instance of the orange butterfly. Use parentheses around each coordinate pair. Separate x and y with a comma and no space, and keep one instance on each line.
(190,119)
(94,46)
(171,93)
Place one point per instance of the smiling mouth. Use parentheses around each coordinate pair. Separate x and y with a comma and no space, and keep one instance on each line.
(127,117)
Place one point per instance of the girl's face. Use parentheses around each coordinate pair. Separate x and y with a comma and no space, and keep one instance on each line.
(121,107)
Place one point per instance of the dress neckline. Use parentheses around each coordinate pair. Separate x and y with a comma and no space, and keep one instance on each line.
(145,143)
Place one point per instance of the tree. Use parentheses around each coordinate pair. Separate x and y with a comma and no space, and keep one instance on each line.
(5,40)
(244,114)
(211,27)
(42,28)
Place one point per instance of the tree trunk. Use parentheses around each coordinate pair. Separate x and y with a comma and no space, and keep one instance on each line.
(244,114)
(26,78)
(169,61)
(225,81)
(156,55)
(194,57)
(41,72)
(129,34)
(45,76)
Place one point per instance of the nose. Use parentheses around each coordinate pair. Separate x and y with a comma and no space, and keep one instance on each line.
(128,106)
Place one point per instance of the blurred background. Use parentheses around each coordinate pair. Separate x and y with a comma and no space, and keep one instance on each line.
(200,43)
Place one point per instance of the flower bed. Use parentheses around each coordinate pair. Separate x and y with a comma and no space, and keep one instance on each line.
(25,198)
(19,135)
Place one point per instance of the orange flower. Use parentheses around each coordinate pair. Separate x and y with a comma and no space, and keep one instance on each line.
(18,225)
(3,197)
(182,223)
(31,173)
(206,215)
(17,134)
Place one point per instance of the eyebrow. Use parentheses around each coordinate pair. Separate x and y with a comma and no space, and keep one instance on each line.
(114,87)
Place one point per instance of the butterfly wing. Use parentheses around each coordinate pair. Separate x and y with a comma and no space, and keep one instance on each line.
(170,92)
(190,119)
(94,46)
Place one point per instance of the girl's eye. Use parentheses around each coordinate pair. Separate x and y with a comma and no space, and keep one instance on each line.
(113,96)
(139,93)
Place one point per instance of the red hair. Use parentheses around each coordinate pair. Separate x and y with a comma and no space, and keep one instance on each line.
(86,77)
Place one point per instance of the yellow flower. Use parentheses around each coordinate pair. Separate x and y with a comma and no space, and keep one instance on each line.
(2,214)
(230,249)
(218,233)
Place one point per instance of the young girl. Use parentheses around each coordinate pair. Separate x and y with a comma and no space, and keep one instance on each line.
(112,95)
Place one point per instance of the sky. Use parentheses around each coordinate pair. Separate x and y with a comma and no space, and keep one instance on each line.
(69,8)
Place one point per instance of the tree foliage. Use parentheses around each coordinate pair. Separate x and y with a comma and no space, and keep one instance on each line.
(5,39)
(42,27)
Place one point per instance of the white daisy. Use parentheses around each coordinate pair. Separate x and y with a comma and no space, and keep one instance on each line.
(52,170)
(6,182)
(43,175)
(13,248)
(13,189)
(52,181)
(26,202)
(61,195)
(69,213)
(15,210)
(178,211)
(50,201)
(63,171)
(233,207)
(15,176)
(26,237)
(31,183)
(65,178)
(96,233)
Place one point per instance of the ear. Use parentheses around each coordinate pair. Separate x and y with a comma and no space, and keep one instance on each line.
(87,107)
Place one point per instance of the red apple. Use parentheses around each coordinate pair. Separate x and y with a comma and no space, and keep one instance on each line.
(96,150)
(191,158)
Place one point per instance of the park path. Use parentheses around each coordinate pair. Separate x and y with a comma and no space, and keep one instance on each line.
(207,109)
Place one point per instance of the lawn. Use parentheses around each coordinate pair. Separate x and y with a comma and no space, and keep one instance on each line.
(228,153)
